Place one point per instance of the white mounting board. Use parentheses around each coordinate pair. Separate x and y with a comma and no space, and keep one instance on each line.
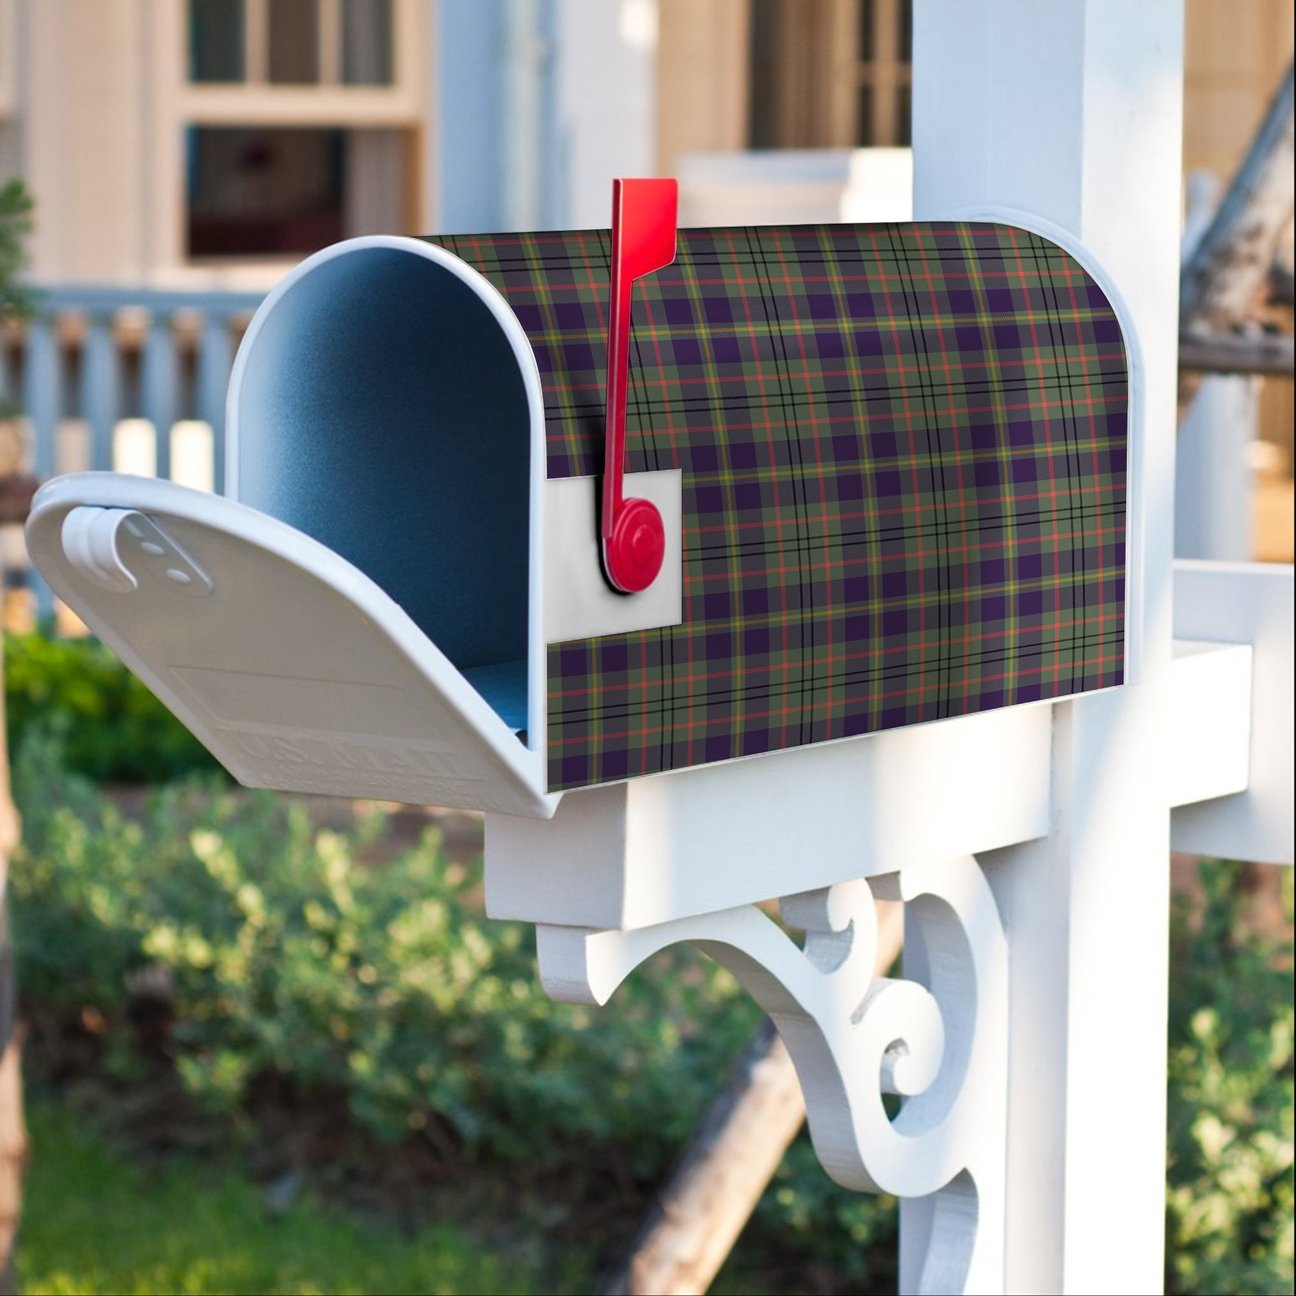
(695,841)
(1244,603)
(1208,748)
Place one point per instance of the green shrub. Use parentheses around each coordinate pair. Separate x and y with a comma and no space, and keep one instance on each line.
(17,300)
(282,954)
(1229,1200)
(113,728)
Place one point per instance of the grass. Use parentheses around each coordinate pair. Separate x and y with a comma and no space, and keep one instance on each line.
(97,1221)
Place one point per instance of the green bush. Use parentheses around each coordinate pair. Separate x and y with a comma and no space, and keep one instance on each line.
(282,953)
(1229,1201)
(113,728)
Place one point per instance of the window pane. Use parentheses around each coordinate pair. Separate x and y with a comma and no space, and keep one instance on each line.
(866,20)
(864,116)
(216,40)
(763,63)
(367,42)
(294,42)
(267,192)
(904,34)
(904,111)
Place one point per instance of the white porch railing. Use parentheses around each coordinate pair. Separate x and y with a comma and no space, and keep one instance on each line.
(131,380)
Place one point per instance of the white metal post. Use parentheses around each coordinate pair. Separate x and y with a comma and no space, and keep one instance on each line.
(1072,113)
(604,88)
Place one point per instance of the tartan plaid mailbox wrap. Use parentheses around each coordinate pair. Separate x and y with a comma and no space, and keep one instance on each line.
(904,472)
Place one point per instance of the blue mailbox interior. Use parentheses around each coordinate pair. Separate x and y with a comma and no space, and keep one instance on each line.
(382,411)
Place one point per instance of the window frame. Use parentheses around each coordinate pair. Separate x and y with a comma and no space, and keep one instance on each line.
(180,103)
(815,98)
(255,100)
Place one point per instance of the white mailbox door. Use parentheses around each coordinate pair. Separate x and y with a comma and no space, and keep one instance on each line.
(287,662)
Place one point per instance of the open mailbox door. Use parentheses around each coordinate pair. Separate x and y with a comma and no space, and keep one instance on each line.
(293,667)
(361,622)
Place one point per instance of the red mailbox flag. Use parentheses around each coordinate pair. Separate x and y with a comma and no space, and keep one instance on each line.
(643,240)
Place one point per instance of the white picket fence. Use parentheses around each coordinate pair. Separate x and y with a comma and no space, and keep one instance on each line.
(130,380)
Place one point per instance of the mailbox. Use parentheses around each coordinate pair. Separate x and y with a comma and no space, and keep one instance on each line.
(887,463)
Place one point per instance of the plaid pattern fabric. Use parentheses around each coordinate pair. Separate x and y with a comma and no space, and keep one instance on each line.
(904,462)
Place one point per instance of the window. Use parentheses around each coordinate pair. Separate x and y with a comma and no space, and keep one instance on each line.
(264,192)
(884,71)
(366,42)
(830,73)
(294,123)
(291,42)
(293,53)
(216,49)
(256,192)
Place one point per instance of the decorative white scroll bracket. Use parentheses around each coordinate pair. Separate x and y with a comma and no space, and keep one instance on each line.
(936,1037)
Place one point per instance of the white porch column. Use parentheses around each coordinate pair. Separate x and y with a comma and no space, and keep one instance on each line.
(1072,112)
(605,102)
(1214,508)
